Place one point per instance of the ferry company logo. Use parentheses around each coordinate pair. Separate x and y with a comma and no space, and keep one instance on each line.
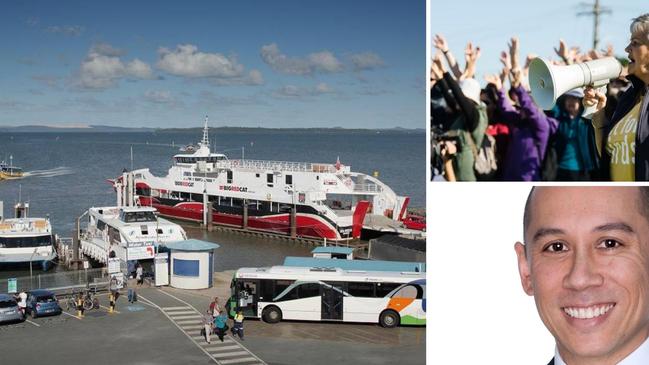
(241,189)
(330,182)
(184,183)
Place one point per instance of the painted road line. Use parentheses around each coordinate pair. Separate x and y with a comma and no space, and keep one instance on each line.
(192,327)
(172,308)
(188,322)
(34,323)
(236,361)
(176,318)
(225,339)
(229,354)
(213,348)
(71,315)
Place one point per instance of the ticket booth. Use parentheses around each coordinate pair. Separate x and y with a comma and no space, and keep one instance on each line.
(191,264)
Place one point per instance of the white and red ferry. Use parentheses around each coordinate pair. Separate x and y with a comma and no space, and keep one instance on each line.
(329,200)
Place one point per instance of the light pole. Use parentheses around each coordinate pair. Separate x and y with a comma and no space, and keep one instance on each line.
(31,281)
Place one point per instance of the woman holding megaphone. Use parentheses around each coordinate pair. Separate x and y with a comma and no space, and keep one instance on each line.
(623,140)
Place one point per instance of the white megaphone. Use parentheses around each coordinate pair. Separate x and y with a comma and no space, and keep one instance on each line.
(548,81)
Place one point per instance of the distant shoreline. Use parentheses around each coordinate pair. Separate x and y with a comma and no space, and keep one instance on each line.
(110,129)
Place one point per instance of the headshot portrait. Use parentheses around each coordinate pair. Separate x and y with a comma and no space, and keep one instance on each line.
(585,260)
(574,290)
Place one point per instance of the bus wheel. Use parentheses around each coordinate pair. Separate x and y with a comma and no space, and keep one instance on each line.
(272,314)
(389,319)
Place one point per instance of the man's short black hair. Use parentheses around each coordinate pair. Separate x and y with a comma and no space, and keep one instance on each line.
(643,206)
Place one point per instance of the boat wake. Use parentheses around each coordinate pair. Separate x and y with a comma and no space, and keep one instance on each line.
(57,171)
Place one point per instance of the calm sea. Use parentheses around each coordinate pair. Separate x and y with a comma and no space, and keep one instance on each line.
(67,172)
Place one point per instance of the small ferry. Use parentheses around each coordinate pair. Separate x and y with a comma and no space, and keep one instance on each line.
(126,232)
(311,200)
(9,171)
(26,240)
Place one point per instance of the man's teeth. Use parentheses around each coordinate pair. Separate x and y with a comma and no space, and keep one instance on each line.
(588,313)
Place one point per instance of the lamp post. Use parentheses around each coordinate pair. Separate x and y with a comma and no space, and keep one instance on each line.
(31,281)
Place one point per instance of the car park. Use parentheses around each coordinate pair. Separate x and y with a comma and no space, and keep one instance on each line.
(9,310)
(42,302)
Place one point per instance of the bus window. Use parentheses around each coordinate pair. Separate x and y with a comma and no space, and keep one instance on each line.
(383,289)
(408,291)
(360,289)
(309,290)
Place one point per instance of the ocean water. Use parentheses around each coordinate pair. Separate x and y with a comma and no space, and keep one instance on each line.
(67,172)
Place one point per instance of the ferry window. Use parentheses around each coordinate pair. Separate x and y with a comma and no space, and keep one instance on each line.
(256,175)
(15,242)
(237,203)
(365,290)
(317,177)
(309,290)
(101,225)
(289,179)
(269,179)
(383,289)
(230,176)
(187,173)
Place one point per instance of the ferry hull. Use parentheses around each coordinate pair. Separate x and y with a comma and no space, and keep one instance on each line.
(307,225)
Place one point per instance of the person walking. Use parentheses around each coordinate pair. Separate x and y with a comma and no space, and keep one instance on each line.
(215,307)
(207,325)
(237,327)
(22,303)
(139,274)
(221,325)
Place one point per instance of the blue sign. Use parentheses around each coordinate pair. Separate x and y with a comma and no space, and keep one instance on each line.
(12,285)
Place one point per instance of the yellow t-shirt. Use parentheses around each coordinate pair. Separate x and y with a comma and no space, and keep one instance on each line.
(620,145)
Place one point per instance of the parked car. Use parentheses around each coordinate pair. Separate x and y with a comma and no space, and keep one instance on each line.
(41,302)
(417,222)
(9,311)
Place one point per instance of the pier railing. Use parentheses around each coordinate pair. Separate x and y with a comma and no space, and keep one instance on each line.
(64,281)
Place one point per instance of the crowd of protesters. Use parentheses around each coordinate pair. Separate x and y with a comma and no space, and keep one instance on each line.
(499,134)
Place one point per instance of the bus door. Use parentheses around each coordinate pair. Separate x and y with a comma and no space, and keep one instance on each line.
(248,296)
(332,301)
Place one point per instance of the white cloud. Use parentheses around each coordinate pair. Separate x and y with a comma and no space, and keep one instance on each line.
(366,61)
(295,92)
(102,68)
(324,62)
(187,61)
(69,30)
(159,97)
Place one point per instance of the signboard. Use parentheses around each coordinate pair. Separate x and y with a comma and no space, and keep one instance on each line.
(86,265)
(161,268)
(12,285)
(140,253)
(116,281)
(113,265)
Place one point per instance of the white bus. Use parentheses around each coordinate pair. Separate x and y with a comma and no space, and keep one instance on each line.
(318,294)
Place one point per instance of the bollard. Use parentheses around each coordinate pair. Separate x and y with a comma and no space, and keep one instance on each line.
(80,307)
(111,307)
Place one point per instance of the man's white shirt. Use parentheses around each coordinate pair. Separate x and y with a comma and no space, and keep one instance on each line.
(638,357)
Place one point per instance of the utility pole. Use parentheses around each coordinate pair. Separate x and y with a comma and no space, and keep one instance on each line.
(595,12)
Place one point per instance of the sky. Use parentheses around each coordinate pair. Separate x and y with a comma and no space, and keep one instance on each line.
(538,24)
(285,63)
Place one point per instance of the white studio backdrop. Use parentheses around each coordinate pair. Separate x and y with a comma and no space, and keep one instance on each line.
(477,310)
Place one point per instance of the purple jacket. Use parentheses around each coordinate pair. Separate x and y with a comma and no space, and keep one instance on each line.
(529,130)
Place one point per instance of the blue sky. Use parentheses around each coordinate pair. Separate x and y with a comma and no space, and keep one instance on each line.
(254,63)
(538,24)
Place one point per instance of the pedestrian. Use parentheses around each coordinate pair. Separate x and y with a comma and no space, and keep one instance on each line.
(207,325)
(139,274)
(22,303)
(215,308)
(221,325)
(237,327)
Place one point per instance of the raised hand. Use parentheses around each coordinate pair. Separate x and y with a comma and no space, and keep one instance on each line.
(504,58)
(594,97)
(494,79)
(440,43)
(562,51)
(436,68)
(513,52)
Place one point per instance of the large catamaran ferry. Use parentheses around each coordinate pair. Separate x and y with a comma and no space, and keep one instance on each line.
(313,200)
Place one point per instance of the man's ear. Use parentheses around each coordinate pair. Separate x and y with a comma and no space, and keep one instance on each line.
(524,269)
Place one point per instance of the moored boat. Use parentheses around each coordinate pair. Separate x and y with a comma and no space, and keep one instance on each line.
(313,200)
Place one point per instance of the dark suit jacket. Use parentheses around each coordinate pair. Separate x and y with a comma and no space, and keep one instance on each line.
(551,362)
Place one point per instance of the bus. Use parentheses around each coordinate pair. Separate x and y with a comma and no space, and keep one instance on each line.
(329,294)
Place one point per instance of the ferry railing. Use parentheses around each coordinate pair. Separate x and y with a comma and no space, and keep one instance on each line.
(278,165)
(367,188)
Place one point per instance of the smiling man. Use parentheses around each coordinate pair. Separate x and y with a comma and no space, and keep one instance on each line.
(586,262)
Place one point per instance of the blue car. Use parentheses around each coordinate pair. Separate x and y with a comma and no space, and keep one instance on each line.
(42,302)
(9,311)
